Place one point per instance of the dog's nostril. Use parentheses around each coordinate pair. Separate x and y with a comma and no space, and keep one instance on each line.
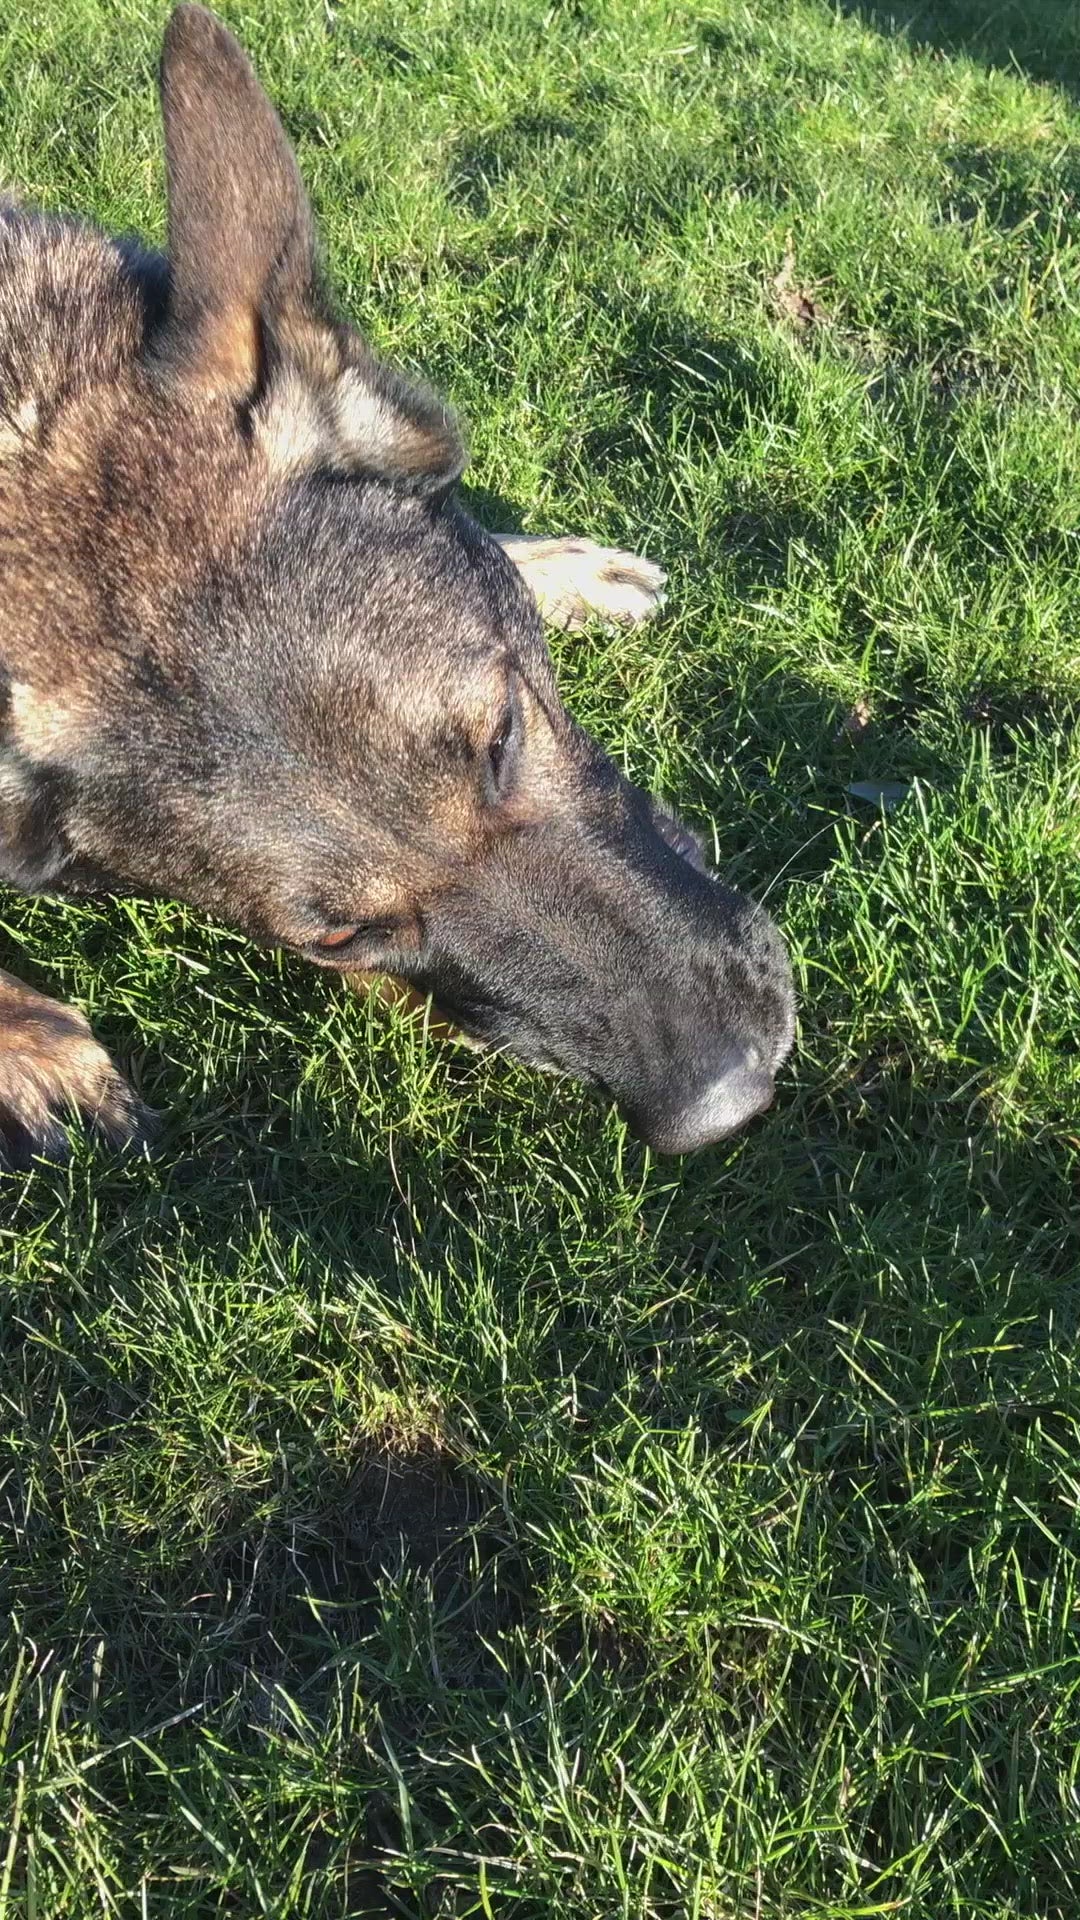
(726,1104)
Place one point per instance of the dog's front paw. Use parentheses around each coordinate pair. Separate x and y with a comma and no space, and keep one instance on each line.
(575,581)
(52,1071)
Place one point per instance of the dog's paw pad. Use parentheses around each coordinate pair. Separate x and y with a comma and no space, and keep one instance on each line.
(625,589)
(576,581)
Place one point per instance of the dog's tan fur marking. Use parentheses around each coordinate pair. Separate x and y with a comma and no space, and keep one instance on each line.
(290,426)
(17,429)
(43,729)
(229,361)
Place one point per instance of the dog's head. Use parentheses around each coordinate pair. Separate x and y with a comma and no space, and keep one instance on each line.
(283,676)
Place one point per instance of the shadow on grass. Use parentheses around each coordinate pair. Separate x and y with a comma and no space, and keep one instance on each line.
(481,167)
(1007,189)
(392,1561)
(243,1561)
(235,1560)
(1042,41)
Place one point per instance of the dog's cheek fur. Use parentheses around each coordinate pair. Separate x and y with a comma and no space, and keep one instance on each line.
(34,850)
(33,805)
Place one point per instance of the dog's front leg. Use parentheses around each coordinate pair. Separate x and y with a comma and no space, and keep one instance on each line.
(575,581)
(51,1070)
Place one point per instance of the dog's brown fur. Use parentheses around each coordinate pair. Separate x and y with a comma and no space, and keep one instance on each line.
(252,655)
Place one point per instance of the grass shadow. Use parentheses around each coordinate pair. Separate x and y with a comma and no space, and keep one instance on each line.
(311,1584)
(526,140)
(1042,41)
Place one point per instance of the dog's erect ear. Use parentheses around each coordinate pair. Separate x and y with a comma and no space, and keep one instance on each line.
(240,231)
(246,313)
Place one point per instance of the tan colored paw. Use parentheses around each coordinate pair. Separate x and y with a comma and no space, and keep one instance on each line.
(52,1071)
(575,581)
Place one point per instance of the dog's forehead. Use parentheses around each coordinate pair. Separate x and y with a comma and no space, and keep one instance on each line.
(362,543)
(404,701)
(357,611)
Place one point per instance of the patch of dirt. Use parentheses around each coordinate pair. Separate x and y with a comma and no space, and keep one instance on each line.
(954,374)
(794,301)
(406,1505)
(857,721)
(403,1504)
(1012,713)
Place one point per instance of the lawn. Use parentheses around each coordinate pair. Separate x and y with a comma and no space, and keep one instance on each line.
(415,1500)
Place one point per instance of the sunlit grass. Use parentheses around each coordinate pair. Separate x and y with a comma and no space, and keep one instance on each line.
(413,1499)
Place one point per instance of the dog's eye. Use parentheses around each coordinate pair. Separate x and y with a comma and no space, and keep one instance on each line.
(502,749)
(339,938)
(367,944)
(497,749)
(339,941)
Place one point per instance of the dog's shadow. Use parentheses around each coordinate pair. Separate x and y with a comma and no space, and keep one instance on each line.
(495,511)
(251,1301)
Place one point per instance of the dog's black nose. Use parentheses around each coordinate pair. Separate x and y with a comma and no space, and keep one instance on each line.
(721,1107)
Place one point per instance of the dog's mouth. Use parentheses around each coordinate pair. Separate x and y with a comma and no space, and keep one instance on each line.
(679,838)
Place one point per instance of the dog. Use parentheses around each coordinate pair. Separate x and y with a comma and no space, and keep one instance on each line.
(256,656)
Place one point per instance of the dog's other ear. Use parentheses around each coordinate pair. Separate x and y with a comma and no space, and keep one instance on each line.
(246,313)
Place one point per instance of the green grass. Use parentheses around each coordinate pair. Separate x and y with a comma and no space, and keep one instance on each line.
(414,1500)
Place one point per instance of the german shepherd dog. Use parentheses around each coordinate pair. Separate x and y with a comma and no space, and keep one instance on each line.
(254,655)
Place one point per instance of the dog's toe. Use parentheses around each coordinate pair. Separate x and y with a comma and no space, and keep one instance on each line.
(626,590)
